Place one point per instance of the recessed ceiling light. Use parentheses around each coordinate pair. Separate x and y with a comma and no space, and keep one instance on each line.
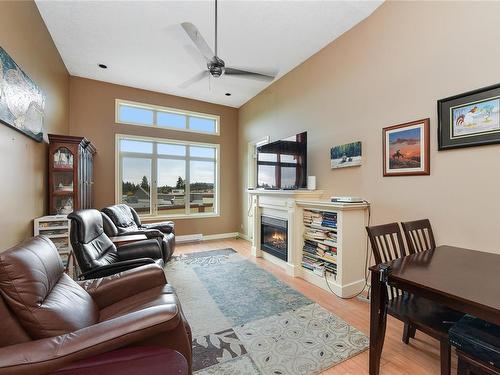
(228,94)
(102,66)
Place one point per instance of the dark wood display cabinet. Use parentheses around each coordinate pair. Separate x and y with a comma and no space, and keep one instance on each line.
(70,173)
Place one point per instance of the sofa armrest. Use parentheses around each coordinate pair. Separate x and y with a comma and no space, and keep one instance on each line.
(165,226)
(108,290)
(140,249)
(111,269)
(143,359)
(47,355)
(152,233)
(148,233)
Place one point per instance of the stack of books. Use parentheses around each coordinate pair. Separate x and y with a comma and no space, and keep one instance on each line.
(327,252)
(320,242)
(331,268)
(313,265)
(314,234)
(312,217)
(329,220)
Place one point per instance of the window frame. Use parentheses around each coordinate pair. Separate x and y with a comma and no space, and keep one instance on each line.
(154,172)
(156,109)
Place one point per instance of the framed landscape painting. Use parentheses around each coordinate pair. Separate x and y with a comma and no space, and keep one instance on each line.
(469,119)
(21,101)
(348,155)
(406,149)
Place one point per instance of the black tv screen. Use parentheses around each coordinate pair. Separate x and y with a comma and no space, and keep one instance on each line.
(283,164)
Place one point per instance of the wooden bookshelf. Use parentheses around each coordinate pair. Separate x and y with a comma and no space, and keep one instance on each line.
(346,222)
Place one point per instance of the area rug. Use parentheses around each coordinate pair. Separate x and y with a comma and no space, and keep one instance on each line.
(247,322)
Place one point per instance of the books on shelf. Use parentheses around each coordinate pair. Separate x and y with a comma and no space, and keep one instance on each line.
(319,253)
(329,219)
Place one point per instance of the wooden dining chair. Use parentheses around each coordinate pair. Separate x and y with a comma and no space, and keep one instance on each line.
(414,311)
(419,236)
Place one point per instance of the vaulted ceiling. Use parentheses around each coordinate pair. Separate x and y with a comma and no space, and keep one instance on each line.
(144,46)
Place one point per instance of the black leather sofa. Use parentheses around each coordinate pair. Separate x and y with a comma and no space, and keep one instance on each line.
(97,256)
(122,220)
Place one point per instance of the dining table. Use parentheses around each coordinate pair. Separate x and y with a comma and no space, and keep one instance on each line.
(461,279)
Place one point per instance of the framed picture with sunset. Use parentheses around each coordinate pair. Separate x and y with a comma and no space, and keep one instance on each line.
(406,149)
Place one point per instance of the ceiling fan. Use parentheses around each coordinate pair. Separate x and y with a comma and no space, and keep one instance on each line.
(216,67)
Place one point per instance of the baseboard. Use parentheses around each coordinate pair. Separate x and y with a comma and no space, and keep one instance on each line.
(189,238)
(244,236)
(205,237)
(220,236)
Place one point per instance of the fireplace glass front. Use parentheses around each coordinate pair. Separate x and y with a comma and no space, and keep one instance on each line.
(274,237)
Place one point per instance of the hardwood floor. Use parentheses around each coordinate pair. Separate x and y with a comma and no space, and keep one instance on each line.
(420,357)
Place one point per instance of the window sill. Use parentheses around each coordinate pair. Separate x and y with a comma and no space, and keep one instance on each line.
(148,219)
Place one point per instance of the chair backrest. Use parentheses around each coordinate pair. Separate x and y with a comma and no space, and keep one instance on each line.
(44,300)
(91,246)
(419,236)
(387,242)
(123,217)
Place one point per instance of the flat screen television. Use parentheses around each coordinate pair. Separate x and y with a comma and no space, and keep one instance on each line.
(283,164)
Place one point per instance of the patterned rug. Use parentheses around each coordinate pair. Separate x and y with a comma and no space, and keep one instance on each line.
(247,322)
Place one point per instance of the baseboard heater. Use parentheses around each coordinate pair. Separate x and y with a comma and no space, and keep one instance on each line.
(189,238)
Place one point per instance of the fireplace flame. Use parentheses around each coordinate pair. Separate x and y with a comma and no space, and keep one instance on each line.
(278,236)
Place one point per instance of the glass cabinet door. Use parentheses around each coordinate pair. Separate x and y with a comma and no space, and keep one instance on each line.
(63,204)
(63,158)
(62,182)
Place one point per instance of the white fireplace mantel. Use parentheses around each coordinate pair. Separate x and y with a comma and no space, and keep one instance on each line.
(350,242)
(292,194)
(279,204)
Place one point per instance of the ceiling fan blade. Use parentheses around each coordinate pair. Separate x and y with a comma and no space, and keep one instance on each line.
(196,56)
(248,74)
(194,79)
(195,35)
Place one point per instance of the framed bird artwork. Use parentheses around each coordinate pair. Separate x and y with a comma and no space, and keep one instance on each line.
(469,119)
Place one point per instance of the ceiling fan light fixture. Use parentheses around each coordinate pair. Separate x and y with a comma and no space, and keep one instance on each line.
(215,65)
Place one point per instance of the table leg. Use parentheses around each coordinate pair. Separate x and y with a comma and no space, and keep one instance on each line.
(378,320)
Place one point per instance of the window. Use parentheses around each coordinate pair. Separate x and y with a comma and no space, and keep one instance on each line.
(161,177)
(132,113)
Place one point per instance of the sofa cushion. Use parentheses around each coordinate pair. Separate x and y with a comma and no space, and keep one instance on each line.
(12,332)
(45,300)
(122,217)
(156,296)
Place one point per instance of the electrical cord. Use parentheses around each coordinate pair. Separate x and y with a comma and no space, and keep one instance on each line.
(368,258)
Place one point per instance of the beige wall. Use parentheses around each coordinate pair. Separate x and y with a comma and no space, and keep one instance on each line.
(92,115)
(23,165)
(390,69)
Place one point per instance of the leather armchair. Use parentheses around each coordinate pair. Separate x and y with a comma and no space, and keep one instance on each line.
(130,361)
(97,256)
(49,321)
(122,220)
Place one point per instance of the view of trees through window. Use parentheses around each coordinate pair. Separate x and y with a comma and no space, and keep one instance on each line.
(156,177)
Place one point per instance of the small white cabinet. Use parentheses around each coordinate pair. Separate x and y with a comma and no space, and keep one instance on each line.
(56,227)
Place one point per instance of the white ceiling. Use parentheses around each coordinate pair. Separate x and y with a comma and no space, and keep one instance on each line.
(144,46)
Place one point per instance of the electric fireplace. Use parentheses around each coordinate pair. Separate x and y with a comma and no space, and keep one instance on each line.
(274,237)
